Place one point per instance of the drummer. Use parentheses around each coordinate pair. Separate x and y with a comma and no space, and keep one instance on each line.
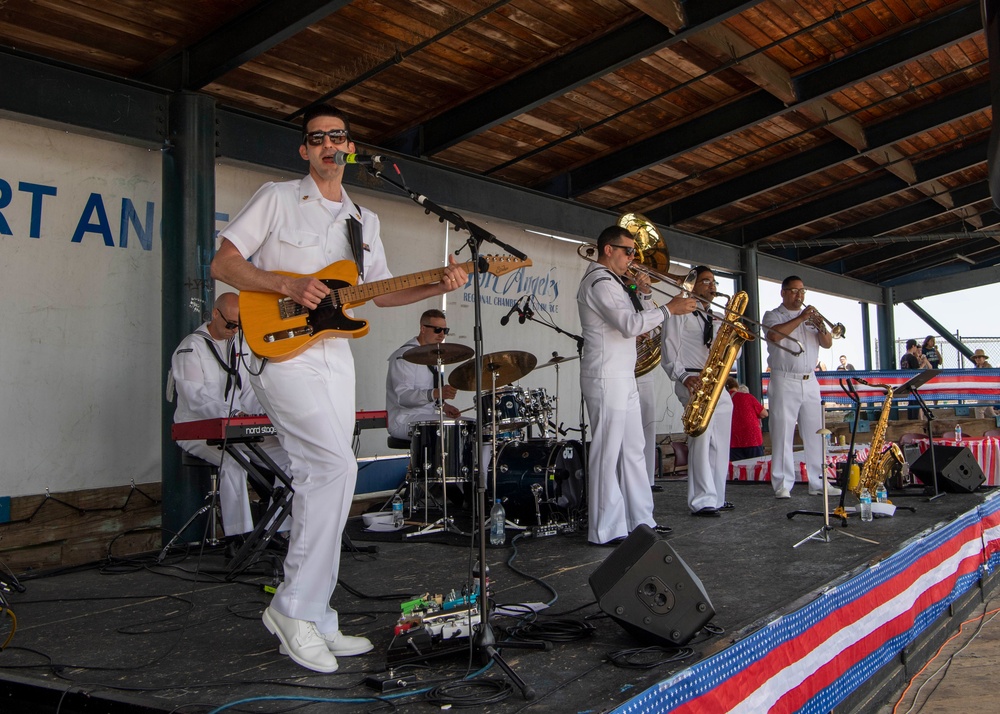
(411,390)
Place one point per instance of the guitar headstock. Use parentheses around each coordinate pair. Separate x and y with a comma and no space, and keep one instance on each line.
(501,264)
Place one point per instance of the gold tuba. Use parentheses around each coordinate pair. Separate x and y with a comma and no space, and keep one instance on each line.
(712,380)
(645,235)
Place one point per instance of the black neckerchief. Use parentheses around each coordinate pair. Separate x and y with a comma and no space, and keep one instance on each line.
(230,368)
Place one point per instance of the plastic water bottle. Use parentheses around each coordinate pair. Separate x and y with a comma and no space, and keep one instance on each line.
(498,517)
(866,505)
(881,495)
(958,433)
(397,511)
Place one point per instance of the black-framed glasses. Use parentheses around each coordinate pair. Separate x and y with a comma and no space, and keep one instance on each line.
(337,136)
(628,250)
(438,330)
(230,325)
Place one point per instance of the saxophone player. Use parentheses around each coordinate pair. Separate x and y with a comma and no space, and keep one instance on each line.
(686,344)
(794,394)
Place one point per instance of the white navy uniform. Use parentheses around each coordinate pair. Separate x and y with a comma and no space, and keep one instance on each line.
(409,391)
(647,407)
(794,396)
(619,497)
(684,354)
(310,398)
(205,390)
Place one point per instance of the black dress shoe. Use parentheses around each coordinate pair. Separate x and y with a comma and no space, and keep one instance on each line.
(727,506)
(707,512)
(613,543)
(656,488)
(663,530)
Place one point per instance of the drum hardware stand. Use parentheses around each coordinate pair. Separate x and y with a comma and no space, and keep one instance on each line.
(483,640)
(211,507)
(444,524)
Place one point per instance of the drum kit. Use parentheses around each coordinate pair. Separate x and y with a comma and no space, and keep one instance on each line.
(531,471)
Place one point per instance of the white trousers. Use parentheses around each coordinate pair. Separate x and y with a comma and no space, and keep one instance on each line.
(708,458)
(234,498)
(618,493)
(310,399)
(647,406)
(793,399)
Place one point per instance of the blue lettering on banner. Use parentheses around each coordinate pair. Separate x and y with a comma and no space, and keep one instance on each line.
(94,205)
(129,216)
(6,194)
(545,289)
(36,190)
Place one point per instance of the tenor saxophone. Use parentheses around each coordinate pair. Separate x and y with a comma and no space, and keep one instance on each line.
(712,379)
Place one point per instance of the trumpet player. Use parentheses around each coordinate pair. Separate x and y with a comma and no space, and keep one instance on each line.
(794,395)
(611,317)
(686,344)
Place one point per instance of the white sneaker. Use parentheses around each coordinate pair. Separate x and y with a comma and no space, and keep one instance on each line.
(782,493)
(831,490)
(301,641)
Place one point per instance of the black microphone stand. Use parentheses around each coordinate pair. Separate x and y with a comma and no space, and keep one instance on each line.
(911,388)
(483,639)
(583,423)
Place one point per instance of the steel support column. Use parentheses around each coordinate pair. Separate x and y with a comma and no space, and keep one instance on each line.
(751,356)
(188,293)
(886,332)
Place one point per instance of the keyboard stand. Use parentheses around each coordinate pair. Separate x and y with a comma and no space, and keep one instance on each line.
(280,506)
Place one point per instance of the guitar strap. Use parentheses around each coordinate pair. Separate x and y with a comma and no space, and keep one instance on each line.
(357,243)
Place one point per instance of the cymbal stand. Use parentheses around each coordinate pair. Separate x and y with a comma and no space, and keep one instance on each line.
(444,523)
(484,639)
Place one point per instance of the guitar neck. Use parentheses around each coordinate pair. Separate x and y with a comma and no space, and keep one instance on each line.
(366,291)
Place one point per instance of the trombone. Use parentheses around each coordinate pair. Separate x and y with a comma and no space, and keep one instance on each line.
(588,251)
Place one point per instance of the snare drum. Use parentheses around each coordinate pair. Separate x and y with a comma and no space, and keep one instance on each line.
(425,449)
(555,467)
(511,411)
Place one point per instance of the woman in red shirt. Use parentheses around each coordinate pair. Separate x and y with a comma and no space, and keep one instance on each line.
(747,440)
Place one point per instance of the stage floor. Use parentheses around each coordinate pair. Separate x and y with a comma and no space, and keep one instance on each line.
(133,636)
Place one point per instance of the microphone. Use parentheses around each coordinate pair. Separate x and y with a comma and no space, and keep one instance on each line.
(342,157)
(516,307)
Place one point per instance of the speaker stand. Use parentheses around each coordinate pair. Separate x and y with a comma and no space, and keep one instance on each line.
(823,534)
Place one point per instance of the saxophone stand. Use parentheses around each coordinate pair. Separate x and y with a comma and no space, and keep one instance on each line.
(483,638)
(910,388)
(823,534)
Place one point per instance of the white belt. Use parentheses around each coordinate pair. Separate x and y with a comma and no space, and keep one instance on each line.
(792,375)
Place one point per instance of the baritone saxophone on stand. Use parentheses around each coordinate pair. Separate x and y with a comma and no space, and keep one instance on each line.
(712,380)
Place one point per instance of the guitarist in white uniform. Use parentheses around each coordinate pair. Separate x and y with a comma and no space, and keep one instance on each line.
(301,227)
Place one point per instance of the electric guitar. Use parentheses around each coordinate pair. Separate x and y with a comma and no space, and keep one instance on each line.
(278,328)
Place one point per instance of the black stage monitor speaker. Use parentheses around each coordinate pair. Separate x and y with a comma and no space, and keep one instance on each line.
(957,469)
(648,590)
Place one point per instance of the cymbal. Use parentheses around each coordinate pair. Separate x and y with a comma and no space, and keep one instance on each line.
(558,359)
(429,354)
(508,366)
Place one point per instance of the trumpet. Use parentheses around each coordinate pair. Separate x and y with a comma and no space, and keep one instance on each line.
(836,329)
(588,251)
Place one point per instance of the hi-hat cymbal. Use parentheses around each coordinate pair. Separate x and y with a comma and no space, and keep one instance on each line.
(558,359)
(508,366)
(430,354)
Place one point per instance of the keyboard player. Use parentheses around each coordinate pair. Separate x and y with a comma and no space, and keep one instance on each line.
(212,382)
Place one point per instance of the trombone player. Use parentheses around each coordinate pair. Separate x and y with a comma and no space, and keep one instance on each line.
(687,341)
(794,394)
(611,317)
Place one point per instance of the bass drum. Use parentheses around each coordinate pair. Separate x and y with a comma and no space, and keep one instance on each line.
(555,469)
